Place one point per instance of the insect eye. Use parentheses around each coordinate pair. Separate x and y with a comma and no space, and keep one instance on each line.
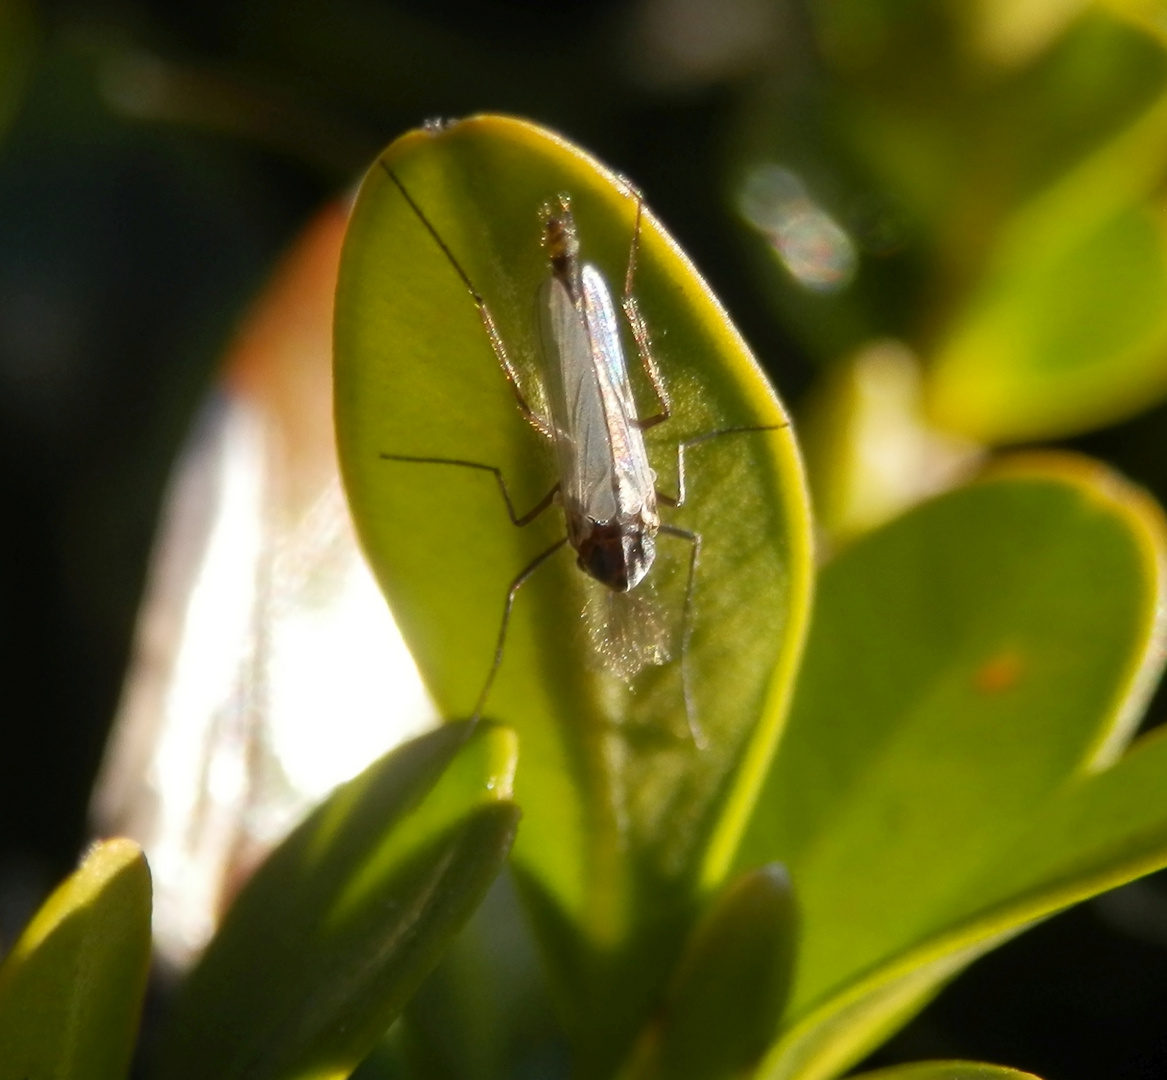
(606,562)
(599,563)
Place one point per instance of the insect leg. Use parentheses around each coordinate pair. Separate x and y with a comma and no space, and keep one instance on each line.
(512,592)
(694,540)
(496,342)
(526,572)
(517,519)
(640,327)
(679,498)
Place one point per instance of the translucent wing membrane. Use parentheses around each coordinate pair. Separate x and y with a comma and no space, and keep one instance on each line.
(577,416)
(634,477)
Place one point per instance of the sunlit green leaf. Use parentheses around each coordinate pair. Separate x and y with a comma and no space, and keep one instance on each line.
(71,988)
(947,776)
(333,934)
(997,167)
(870,452)
(1148,13)
(626,819)
(1012,32)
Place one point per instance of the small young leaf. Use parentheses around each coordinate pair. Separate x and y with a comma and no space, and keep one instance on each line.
(71,988)
(327,942)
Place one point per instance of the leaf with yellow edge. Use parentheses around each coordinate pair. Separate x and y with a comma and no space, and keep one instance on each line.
(627,821)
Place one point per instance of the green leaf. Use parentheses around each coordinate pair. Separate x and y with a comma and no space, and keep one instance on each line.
(71,988)
(946,1070)
(627,821)
(947,778)
(333,934)
(1011,230)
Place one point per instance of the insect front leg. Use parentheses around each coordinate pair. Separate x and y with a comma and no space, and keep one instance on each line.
(496,343)
(640,328)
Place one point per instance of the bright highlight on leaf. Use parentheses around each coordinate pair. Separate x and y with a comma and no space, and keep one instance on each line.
(626,820)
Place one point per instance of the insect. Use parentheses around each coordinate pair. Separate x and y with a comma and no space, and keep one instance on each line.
(606,486)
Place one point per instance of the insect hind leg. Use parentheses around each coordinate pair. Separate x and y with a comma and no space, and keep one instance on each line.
(523,575)
(694,540)
(504,624)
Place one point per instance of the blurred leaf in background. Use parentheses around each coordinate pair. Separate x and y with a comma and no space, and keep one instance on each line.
(980,183)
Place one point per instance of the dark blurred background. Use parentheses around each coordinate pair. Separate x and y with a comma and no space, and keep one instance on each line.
(156,158)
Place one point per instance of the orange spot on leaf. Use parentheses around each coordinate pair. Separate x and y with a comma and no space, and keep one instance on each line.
(999,673)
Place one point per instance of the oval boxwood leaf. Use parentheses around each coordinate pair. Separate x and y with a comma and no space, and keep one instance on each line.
(972,668)
(71,987)
(627,820)
(332,935)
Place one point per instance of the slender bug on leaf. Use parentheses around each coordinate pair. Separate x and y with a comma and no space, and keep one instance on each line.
(606,486)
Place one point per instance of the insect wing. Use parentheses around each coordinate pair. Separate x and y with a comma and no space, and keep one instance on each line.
(635,477)
(582,440)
